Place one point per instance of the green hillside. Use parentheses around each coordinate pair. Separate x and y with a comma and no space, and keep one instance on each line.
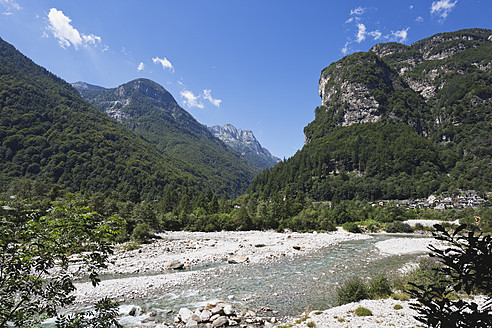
(50,134)
(397,122)
(151,111)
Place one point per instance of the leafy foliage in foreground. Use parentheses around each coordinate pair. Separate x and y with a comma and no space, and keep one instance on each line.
(36,249)
(465,268)
(103,316)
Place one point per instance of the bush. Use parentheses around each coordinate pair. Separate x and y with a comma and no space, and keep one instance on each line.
(400,297)
(353,290)
(465,267)
(351,227)
(379,287)
(373,227)
(362,312)
(142,233)
(397,307)
(397,226)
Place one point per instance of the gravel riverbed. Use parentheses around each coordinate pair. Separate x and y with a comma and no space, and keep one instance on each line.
(143,273)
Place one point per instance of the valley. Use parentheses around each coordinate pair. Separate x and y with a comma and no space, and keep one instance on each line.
(126,186)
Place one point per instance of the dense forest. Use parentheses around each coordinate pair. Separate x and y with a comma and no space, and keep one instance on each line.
(50,134)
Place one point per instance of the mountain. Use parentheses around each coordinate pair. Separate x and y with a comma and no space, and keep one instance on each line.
(50,134)
(246,144)
(151,111)
(397,121)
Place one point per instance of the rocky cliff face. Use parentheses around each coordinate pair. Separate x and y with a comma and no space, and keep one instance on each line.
(245,143)
(406,83)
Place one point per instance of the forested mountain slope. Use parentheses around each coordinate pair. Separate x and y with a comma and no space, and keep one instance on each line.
(397,122)
(151,111)
(50,134)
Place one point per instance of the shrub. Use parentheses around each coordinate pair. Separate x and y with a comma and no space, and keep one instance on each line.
(400,297)
(465,267)
(311,324)
(353,290)
(363,312)
(142,233)
(397,307)
(379,287)
(351,227)
(397,226)
(373,227)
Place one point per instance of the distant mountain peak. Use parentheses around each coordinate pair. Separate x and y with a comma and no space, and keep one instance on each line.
(245,143)
(86,86)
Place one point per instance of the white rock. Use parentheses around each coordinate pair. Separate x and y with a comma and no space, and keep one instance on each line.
(228,310)
(185,314)
(205,315)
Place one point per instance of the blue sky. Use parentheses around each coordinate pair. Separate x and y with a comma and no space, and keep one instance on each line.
(254,64)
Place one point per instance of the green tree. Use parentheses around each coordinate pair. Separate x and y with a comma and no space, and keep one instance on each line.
(35,249)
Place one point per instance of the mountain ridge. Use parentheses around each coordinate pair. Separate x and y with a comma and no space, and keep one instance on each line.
(245,143)
(397,122)
(151,111)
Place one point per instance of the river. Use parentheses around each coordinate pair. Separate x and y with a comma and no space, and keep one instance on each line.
(288,286)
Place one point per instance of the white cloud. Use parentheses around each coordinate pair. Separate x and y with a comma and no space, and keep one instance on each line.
(141,66)
(442,8)
(358,11)
(67,35)
(400,36)
(419,19)
(375,34)
(411,7)
(345,48)
(62,30)
(91,38)
(191,99)
(9,6)
(361,34)
(207,94)
(164,62)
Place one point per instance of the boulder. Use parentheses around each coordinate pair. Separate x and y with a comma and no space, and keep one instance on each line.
(174,265)
(192,324)
(185,314)
(228,311)
(218,309)
(205,315)
(133,311)
(237,259)
(220,321)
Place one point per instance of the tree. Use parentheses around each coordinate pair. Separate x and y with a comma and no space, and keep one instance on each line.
(466,268)
(35,253)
